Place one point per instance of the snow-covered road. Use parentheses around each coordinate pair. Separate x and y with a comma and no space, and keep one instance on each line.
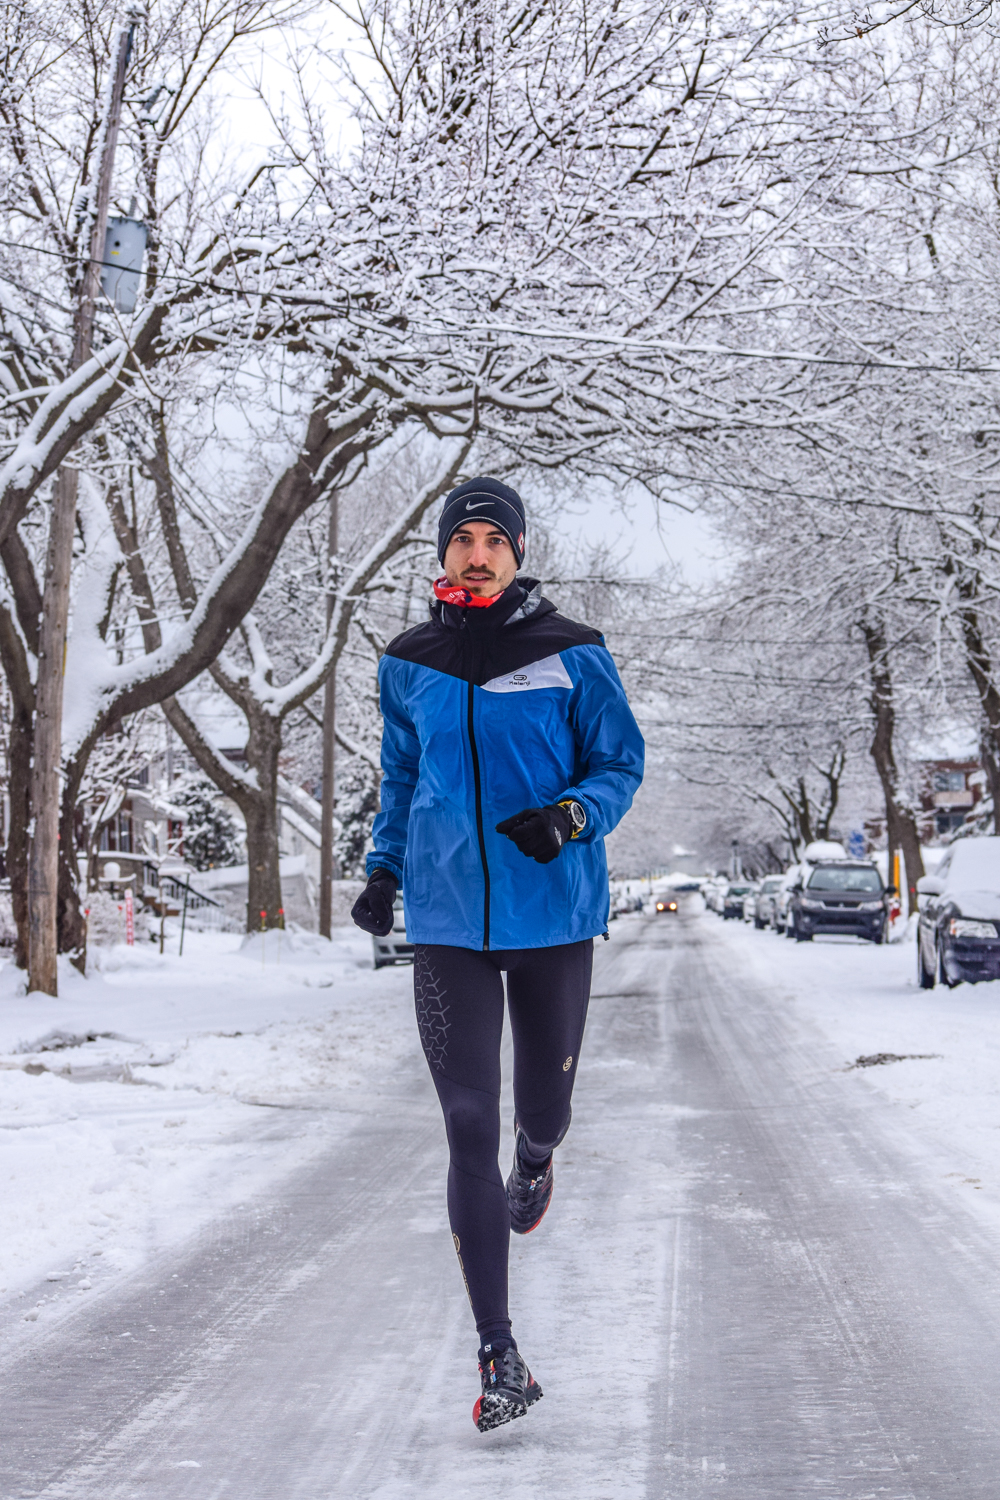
(755,1279)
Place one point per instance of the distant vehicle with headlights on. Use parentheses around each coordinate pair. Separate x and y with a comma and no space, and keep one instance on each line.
(666,903)
(958,932)
(838,896)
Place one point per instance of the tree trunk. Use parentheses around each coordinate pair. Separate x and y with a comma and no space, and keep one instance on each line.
(43,860)
(44,856)
(72,924)
(327,860)
(14,661)
(258,803)
(261,814)
(900,823)
(980,665)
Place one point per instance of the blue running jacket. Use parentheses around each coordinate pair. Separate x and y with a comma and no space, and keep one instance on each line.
(487,712)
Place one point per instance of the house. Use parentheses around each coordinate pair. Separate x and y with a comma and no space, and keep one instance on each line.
(949,791)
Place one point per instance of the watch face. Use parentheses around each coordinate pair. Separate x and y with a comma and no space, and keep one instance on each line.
(577,814)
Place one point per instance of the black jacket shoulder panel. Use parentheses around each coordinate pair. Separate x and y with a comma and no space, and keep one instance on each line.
(485,649)
(532,639)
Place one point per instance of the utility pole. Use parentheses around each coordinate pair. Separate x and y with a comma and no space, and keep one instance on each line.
(43,862)
(327,863)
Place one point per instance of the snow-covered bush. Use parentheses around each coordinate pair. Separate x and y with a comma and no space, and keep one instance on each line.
(211,837)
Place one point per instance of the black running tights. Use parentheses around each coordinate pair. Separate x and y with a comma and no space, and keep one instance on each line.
(459,1003)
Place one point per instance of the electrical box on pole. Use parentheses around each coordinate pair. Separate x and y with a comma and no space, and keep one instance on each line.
(124,249)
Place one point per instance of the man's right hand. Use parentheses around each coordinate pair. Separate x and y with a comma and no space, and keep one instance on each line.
(373,909)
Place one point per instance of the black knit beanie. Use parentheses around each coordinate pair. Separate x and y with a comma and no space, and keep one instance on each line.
(483,500)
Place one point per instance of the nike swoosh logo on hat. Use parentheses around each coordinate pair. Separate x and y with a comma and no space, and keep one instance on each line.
(478,505)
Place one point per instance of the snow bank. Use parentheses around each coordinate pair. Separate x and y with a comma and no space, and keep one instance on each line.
(157,1093)
(867,1001)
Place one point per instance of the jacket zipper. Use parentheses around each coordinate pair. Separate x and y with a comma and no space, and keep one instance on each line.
(478,783)
(479,825)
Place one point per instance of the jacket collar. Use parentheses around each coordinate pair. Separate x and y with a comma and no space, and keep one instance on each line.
(520,600)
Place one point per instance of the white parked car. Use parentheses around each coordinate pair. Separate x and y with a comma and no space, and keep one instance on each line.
(394,948)
(714,893)
(780,899)
(763,907)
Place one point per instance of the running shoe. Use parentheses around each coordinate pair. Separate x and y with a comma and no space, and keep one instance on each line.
(529,1191)
(508,1388)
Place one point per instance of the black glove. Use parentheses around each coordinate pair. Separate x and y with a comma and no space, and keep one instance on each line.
(373,909)
(539,832)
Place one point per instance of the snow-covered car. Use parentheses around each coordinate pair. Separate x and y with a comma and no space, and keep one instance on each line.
(732,901)
(843,896)
(622,905)
(958,933)
(666,904)
(763,906)
(782,896)
(713,891)
(394,948)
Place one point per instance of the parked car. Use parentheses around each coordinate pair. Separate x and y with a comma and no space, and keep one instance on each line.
(732,901)
(838,896)
(394,948)
(714,891)
(666,904)
(957,932)
(782,896)
(622,905)
(763,906)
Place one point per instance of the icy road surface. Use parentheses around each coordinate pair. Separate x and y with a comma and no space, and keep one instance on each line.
(755,1280)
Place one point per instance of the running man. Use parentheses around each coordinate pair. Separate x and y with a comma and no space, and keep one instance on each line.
(509,752)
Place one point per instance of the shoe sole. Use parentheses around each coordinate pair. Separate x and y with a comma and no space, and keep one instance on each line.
(495,1410)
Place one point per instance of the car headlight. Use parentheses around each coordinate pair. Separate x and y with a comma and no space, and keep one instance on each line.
(812,905)
(959,927)
(869,906)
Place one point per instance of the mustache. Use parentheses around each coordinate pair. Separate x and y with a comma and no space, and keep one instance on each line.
(488,571)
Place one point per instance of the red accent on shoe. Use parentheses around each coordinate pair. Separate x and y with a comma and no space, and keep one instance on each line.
(476,1410)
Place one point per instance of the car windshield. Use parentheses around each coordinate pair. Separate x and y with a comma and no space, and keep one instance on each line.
(845,878)
(771,885)
(739,890)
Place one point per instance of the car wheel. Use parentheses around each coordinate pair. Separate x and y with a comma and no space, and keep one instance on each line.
(758,924)
(942,972)
(925,977)
(790,925)
(803,937)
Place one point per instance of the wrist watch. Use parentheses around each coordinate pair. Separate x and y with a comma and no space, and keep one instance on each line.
(577,816)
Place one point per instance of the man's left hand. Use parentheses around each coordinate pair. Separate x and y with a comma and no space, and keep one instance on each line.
(539,832)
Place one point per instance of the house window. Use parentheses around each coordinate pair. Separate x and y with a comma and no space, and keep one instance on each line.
(946,822)
(949,781)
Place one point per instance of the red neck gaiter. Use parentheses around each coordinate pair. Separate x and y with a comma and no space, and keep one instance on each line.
(454,593)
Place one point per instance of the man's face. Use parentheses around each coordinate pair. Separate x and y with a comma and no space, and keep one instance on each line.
(480,558)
